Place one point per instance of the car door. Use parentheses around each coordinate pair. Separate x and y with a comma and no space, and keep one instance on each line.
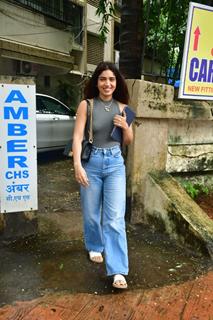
(44,125)
(62,121)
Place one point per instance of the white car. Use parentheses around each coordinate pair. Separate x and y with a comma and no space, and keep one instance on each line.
(55,123)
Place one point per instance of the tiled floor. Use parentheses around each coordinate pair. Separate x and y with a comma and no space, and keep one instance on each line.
(192,300)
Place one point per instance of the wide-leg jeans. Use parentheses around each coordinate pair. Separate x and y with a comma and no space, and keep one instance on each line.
(103,205)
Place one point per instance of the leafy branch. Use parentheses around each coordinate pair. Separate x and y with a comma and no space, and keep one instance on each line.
(106,10)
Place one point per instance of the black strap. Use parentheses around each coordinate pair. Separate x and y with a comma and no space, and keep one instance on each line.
(89,123)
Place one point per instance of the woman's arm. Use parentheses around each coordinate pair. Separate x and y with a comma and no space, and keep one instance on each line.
(78,136)
(127,134)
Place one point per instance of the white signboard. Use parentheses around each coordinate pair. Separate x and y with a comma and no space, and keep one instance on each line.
(18,152)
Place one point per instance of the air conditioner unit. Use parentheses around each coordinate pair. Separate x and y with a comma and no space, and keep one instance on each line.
(25,68)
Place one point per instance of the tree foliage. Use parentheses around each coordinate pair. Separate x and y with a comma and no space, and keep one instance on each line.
(131,39)
(130,35)
(106,10)
(162,26)
(167,20)
(166,28)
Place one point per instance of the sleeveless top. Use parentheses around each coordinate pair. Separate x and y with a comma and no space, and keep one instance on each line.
(103,124)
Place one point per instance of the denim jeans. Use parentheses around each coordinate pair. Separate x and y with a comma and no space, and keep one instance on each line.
(103,205)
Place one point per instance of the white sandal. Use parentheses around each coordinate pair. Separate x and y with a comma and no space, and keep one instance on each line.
(119,282)
(95,257)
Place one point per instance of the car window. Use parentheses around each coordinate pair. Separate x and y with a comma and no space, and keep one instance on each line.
(72,112)
(53,106)
(39,105)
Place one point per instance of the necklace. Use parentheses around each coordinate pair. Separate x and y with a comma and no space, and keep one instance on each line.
(107,107)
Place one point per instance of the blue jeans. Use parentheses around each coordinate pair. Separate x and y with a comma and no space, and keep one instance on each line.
(103,205)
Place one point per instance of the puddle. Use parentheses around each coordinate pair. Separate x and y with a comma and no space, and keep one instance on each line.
(34,267)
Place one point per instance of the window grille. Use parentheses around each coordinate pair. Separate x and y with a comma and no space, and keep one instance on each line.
(93,3)
(62,10)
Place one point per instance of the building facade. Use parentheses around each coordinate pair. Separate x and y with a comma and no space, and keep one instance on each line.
(56,41)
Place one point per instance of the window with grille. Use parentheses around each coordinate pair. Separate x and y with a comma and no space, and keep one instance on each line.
(93,3)
(95,49)
(63,10)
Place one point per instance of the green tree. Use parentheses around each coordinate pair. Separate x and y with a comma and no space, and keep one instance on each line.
(131,39)
(130,35)
(161,22)
(166,29)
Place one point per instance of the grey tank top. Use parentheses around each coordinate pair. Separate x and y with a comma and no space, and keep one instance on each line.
(103,124)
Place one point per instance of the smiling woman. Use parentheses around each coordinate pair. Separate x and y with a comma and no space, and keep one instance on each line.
(106,85)
(102,179)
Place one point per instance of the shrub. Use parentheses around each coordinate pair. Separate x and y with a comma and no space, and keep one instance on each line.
(195,189)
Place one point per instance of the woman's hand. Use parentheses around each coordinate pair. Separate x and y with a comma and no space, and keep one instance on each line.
(120,121)
(81,176)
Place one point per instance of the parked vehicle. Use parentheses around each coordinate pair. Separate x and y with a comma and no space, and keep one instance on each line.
(55,123)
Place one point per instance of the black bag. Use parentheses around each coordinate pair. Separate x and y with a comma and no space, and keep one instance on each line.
(87,143)
(86,150)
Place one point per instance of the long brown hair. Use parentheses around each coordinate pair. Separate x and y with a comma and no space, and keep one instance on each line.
(120,94)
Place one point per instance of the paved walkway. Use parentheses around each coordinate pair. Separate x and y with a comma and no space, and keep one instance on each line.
(192,300)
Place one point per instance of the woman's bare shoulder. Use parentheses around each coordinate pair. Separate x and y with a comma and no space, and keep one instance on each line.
(82,105)
(82,108)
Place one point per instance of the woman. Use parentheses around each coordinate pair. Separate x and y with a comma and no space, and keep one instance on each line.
(102,179)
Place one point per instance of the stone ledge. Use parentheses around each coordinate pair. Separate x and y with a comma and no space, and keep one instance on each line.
(190,158)
(169,207)
(154,100)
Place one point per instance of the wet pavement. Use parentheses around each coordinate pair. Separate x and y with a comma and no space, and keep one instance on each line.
(35,267)
(55,261)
